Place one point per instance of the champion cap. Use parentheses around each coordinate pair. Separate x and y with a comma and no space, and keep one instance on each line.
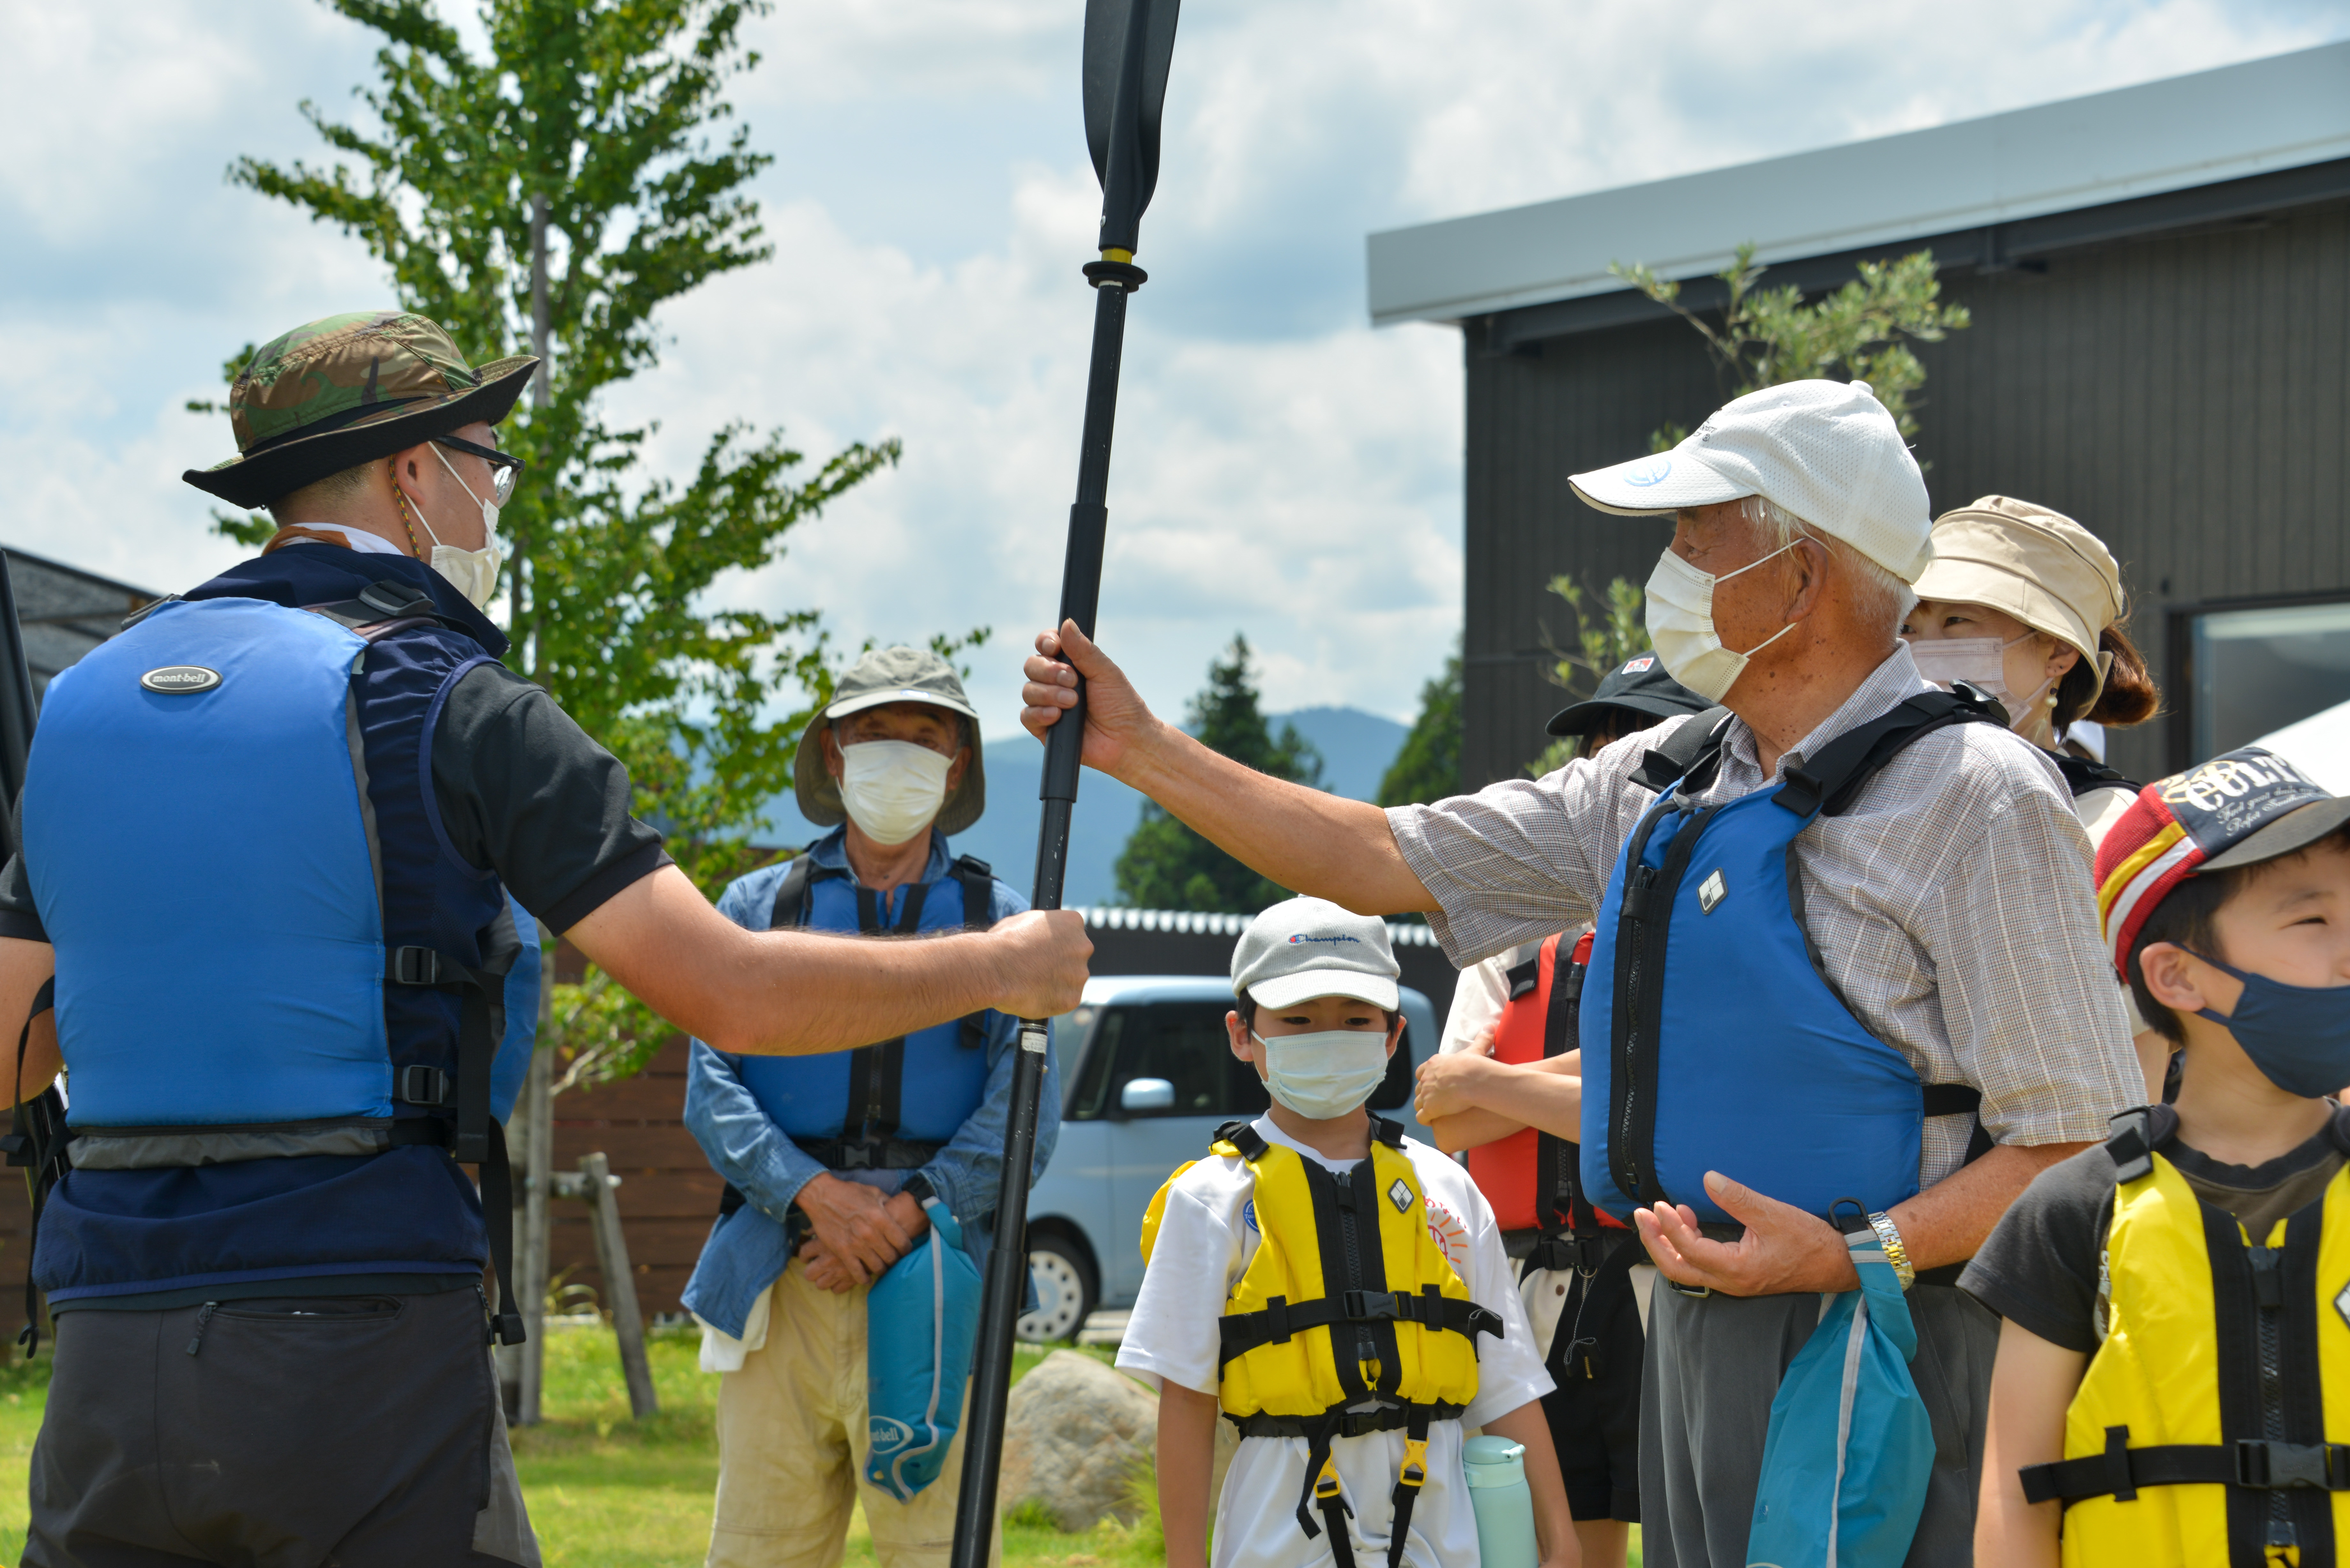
(1310,947)
(2240,808)
(1827,451)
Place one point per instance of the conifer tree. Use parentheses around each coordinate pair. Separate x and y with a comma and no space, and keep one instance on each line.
(1165,865)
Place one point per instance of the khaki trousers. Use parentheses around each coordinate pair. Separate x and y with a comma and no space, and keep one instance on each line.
(792,1446)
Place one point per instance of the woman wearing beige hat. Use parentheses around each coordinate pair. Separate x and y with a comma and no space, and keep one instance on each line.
(2028,605)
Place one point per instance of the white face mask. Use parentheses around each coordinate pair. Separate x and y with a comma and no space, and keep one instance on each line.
(1680,626)
(1326,1073)
(1979,661)
(474,573)
(892,788)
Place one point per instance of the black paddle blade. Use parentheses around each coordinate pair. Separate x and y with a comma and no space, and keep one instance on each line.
(1129,43)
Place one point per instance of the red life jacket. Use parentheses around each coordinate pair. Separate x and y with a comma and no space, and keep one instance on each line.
(1531,1178)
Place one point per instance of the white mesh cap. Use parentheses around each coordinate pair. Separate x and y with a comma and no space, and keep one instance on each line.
(1825,451)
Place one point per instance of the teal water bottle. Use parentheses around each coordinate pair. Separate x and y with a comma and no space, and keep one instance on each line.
(1496,1468)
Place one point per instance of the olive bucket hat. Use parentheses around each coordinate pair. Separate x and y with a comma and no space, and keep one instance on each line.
(888,675)
(347,391)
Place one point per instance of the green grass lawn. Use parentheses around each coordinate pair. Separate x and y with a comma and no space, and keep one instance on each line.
(606,1491)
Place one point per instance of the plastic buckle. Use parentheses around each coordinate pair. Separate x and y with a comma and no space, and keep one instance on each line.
(416,966)
(2264,1466)
(1414,1470)
(857,1157)
(1368,1306)
(1325,1485)
(1586,1249)
(392,598)
(422,1085)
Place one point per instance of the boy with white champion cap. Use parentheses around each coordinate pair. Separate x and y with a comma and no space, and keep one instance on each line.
(1338,1291)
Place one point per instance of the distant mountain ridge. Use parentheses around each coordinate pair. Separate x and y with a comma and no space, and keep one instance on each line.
(1355,748)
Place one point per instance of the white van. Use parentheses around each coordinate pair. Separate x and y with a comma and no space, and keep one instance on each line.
(1148,1073)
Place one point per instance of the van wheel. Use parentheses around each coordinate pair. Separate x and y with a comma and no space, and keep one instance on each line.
(1065,1291)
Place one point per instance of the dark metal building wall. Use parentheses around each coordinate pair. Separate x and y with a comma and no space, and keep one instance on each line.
(2187,396)
(1534,418)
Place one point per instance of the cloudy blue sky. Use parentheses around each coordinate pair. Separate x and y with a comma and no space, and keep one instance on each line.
(1281,468)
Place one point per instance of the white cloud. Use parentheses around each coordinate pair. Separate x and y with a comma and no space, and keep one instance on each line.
(1280,468)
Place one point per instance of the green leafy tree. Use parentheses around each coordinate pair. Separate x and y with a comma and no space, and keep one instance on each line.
(1165,865)
(1861,332)
(551,195)
(1427,765)
(562,188)
(1608,631)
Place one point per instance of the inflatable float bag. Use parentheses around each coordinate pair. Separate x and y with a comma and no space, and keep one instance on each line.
(920,1319)
(1850,1447)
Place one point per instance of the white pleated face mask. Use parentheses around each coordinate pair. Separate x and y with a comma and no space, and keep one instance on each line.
(1325,1073)
(1979,661)
(892,789)
(473,572)
(1679,600)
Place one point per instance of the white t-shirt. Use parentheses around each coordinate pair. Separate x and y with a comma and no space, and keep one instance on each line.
(1207,1236)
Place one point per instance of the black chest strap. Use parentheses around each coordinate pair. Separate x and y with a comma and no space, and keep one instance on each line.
(870,1116)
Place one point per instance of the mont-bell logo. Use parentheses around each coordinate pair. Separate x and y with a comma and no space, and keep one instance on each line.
(180,680)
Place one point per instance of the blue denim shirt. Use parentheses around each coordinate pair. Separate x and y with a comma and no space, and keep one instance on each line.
(747,1251)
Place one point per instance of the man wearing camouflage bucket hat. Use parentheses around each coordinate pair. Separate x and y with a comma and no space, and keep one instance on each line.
(838,1169)
(264,906)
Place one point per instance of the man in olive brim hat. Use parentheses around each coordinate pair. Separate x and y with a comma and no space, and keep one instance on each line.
(843,1168)
(277,843)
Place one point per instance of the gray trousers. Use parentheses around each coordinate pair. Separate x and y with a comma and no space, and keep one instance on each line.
(282,1433)
(1714,1365)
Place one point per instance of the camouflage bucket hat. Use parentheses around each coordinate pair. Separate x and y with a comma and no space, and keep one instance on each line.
(345,390)
(891,675)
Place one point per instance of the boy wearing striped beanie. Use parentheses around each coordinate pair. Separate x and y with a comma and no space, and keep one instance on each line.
(2173,1378)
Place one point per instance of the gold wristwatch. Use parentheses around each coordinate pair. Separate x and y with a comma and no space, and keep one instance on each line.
(1889,1237)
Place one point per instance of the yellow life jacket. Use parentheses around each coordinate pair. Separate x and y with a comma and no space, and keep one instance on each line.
(1349,1300)
(2213,1424)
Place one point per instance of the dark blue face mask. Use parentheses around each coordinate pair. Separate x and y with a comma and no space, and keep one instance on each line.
(2297,1035)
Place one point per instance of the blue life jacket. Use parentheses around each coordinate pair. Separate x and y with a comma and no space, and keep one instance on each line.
(1711,1037)
(888,1106)
(277,984)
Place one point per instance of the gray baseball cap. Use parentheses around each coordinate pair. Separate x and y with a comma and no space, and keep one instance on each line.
(886,675)
(1311,947)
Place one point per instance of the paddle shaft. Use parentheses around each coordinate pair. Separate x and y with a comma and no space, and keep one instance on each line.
(1007,1265)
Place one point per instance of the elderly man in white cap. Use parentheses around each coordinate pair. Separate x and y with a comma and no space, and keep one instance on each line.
(1805,986)
(837,1165)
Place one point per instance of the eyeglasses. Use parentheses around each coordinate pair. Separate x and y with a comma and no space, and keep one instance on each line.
(505,467)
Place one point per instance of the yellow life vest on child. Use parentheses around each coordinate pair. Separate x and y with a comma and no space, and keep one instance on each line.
(1349,1301)
(2213,1424)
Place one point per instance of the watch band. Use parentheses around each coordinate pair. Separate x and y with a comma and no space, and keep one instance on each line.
(1888,1236)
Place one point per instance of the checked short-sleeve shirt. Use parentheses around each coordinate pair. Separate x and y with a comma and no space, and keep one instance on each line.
(1952,905)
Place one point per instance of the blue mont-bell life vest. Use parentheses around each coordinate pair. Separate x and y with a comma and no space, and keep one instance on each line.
(892,1104)
(268,955)
(1711,1037)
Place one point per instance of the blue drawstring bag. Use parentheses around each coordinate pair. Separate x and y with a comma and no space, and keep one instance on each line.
(920,1319)
(1850,1449)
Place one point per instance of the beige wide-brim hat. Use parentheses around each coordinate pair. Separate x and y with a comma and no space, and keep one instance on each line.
(883,676)
(2038,565)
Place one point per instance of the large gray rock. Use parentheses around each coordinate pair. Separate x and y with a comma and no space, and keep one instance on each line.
(1075,1435)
